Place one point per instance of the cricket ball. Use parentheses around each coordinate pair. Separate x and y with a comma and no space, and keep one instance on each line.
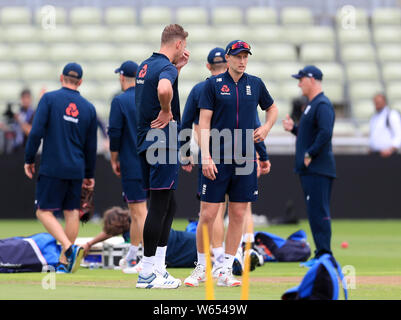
(344,245)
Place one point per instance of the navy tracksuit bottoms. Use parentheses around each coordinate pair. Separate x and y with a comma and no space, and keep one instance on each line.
(317,191)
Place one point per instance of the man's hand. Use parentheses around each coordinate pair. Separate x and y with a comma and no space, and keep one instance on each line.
(162,120)
(260,134)
(29,169)
(87,246)
(115,165)
(88,183)
(387,153)
(183,60)
(264,167)
(307,161)
(209,168)
(288,123)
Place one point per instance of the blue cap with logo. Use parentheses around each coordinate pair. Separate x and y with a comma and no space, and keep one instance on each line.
(128,69)
(310,72)
(216,55)
(73,70)
(237,46)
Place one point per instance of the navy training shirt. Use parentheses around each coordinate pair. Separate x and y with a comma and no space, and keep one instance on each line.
(153,69)
(123,133)
(191,116)
(314,134)
(68,125)
(234,105)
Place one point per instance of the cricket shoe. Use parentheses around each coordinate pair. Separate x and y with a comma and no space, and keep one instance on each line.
(166,275)
(238,263)
(133,267)
(198,275)
(227,279)
(74,257)
(216,271)
(62,268)
(155,281)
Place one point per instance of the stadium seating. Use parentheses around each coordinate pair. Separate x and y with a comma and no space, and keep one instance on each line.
(296,16)
(226,15)
(15,15)
(191,15)
(358,50)
(314,53)
(156,16)
(85,15)
(44,16)
(120,16)
(261,16)
(386,16)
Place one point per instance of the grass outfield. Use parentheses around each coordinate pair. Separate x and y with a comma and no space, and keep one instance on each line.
(374,251)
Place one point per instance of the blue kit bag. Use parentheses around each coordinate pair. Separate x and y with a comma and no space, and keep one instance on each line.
(29,254)
(274,248)
(321,282)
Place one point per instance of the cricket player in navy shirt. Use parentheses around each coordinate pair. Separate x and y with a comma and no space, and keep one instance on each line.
(216,64)
(314,159)
(229,102)
(125,161)
(158,116)
(67,124)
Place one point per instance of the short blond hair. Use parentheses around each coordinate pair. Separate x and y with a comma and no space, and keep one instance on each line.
(172,32)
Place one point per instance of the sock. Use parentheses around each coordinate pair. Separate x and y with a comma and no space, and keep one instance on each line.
(147,265)
(201,259)
(68,252)
(160,258)
(228,261)
(218,256)
(249,237)
(132,253)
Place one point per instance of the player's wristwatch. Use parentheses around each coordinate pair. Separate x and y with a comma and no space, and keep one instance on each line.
(307,155)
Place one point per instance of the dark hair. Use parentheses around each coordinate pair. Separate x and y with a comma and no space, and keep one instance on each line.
(172,32)
(116,220)
(25,92)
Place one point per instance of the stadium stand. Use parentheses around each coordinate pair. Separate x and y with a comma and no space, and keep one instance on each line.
(357,47)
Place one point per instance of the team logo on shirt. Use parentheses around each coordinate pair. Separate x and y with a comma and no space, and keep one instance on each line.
(71,113)
(225,90)
(142,74)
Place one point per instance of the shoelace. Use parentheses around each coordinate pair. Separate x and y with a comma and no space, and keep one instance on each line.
(198,271)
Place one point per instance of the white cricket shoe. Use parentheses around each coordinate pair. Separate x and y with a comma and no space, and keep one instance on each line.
(226,279)
(155,281)
(216,271)
(198,275)
(166,275)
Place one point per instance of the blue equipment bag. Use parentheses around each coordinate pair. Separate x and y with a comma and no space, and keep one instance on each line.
(321,282)
(274,248)
(28,254)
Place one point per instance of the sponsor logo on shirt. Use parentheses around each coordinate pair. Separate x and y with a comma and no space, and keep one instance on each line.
(219,79)
(71,113)
(248,90)
(225,90)
(307,109)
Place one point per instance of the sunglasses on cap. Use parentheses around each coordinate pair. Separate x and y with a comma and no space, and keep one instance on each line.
(240,45)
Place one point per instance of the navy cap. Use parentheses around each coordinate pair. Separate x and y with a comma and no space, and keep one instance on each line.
(216,55)
(73,70)
(128,69)
(237,46)
(310,72)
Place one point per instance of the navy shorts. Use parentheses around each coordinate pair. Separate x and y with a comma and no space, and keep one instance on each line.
(133,191)
(54,194)
(239,187)
(160,176)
